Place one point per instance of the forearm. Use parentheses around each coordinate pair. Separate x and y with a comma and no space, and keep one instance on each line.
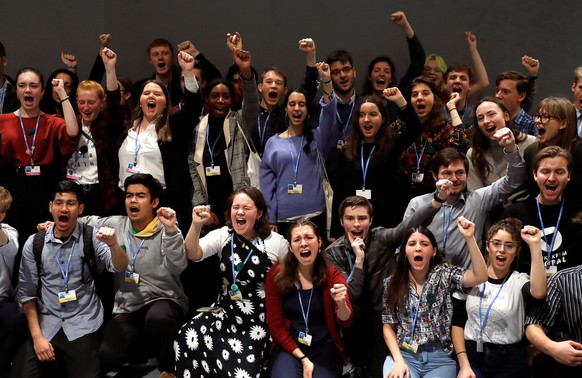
(458,337)
(70,118)
(455,117)
(192,243)
(538,284)
(479,272)
(392,342)
(536,335)
(118,258)
(31,313)
(343,311)
(481,79)
(111,78)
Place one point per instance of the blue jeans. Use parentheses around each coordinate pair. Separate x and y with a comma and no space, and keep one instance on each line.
(430,361)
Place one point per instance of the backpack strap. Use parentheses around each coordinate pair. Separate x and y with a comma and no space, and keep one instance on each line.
(37,246)
(89,250)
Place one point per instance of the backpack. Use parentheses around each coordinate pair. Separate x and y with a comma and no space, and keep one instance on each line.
(103,282)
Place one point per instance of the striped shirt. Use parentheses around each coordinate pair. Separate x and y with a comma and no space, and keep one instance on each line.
(561,312)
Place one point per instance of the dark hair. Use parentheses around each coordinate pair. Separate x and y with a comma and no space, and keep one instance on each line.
(459,68)
(68,186)
(512,226)
(448,156)
(436,115)
(384,137)
(34,71)
(564,111)
(155,187)
(2,50)
(277,71)
(367,89)
(397,291)
(355,201)
(217,81)
(552,152)
(287,278)
(160,42)
(262,225)
(163,130)
(480,143)
(339,56)
(233,69)
(48,103)
(130,88)
(521,82)
(307,130)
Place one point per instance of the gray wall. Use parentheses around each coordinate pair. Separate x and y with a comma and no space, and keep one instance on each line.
(34,32)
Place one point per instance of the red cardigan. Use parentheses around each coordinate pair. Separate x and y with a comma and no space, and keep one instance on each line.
(279,325)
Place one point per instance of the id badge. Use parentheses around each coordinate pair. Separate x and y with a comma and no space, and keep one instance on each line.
(30,170)
(67,296)
(131,277)
(304,338)
(551,270)
(295,189)
(71,174)
(410,345)
(417,176)
(212,171)
(366,193)
(340,144)
(131,168)
(235,295)
(479,345)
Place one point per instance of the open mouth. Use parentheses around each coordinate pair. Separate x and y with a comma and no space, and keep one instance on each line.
(357,234)
(457,89)
(421,106)
(241,221)
(305,254)
(133,210)
(297,116)
(381,81)
(28,99)
(541,131)
(500,258)
(491,129)
(368,128)
(273,95)
(162,64)
(151,104)
(418,258)
(551,188)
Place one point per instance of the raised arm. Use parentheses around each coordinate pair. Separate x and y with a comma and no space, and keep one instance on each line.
(532,66)
(70,61)
(98,69)
(478,274)
(537,274)
(68,112)
(109,61)
(200,215)
(416,52)
(307,46)
(209,69)
(481,79)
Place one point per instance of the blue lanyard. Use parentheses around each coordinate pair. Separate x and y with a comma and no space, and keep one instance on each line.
(483,321)
(550,246)
(345,126)
(365,168)
(133,255)
(29,150)
(495,165)
(264,128)
(351,263)
(419,158)
(137,146)
(240,266)
(295,162)
(414,315)
(65,271)
(305,314)
(211,149)
(446,224)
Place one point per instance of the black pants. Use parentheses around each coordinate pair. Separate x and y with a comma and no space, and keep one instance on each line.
(12,333)
(150,330)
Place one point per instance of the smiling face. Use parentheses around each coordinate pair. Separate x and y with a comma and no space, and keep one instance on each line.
(458,82)
(456,173)
(507,93)
(432,70)
(161,59)
(65,209)
(296,109)
(305,245)
(380,77)
(243,215)
(90,105)
(272,88)
(490,118)
(422,100)
(552,176)
(152,101)
(370,120)
(139,205)
(419,252)
(502,250)
(29,91)
(219,101)
(342,75)
(356,222)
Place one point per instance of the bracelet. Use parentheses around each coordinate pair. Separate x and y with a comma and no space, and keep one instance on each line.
(71,67)
(403,106)
(324,82)
(451,109)
(436,197)
(461,352)
(328,94)
(64,99)
(302,357)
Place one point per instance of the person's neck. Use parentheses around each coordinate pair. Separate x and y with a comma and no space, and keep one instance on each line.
(452,199)
(294,130)
(2,79)
(30,113)
(514,113)
(305,275)
(165,78)
(417,278)
(63,234)
(497,273)
(345,96)
(269,108)
(250,236)
(548,202)
(461,105)
(140,225)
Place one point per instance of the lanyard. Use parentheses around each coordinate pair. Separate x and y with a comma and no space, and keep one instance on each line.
(414,315)
(133,255)
(239,266)
(550,246)
(483,320)
(351,263)
(419,158)
(29,150)
(211,149)
(446,224)
(305,314)
(137,146)
(344,126)
(65,271)
(495,165)
(295,163)
(264,128)
(365,168)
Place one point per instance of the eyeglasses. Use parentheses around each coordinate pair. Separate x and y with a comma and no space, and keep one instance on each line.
(508,247)
(346,70)
(449,174)
(544,118)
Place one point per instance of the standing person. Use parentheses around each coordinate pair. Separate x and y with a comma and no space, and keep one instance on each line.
(490,343)
(51,101)
(307,302)
(418,304)
(8,100)
(60,302)
(232,335)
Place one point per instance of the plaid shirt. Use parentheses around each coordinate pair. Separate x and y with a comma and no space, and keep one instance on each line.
(526,123)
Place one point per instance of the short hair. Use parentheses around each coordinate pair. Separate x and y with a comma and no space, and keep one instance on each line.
(368,90)
(90,85)
(439,60)
(68,186)
(160,42)
(562,109)
(262,225)
(232,70)
(448,156)
(155,187)
(275,70)
(5,199)
(577,74)
(339,56)
(2,50)
(521,82)
(217,81)
(459,68)
(356,201)
(34,71)
(552,152)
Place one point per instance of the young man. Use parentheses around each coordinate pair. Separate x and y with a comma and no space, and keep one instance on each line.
(552,212)
(365,256)
(577,90)
(8,100)
(458,79)
(150,302)
(60,302)
(452,165)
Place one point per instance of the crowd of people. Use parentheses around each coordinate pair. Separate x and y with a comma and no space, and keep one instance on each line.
(191,225)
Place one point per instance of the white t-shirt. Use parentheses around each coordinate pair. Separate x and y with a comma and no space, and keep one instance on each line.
(84,164)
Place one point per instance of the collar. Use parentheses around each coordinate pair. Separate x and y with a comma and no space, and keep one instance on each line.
(53,239)
(349,101)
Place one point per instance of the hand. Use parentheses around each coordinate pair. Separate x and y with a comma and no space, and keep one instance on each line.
(188,46)
(466,227)
(109,57)
(168,218)
(338,293)
(399,370)
(471,40)
(186,61)
(107,235)
(455,97)
(44,226)
(531,235)
(359,247)
(466,372)
(567,352)
(242,59)
(43,349)
(307,45)
(393,94)
(105,40)
(307,368)
(443,187)
(505,139)
(399,18)
(531,65)
(59,86)
(234,41)
(324,72)
(69,60)
(200,215)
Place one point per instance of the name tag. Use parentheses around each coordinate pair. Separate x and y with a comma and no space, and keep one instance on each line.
(295,189)
(67,296)
(340,144)
(235,295)
(417,176)
(131,168)
(367,194)
(304,338)
(551,270)
(213,171)
(410,345)
(131,277)
(71,174)
(30,170)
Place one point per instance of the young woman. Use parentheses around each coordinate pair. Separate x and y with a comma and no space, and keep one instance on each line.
(418,304)
(494,312)
(232,336)
(51,102)
(437,132)
(307,302)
